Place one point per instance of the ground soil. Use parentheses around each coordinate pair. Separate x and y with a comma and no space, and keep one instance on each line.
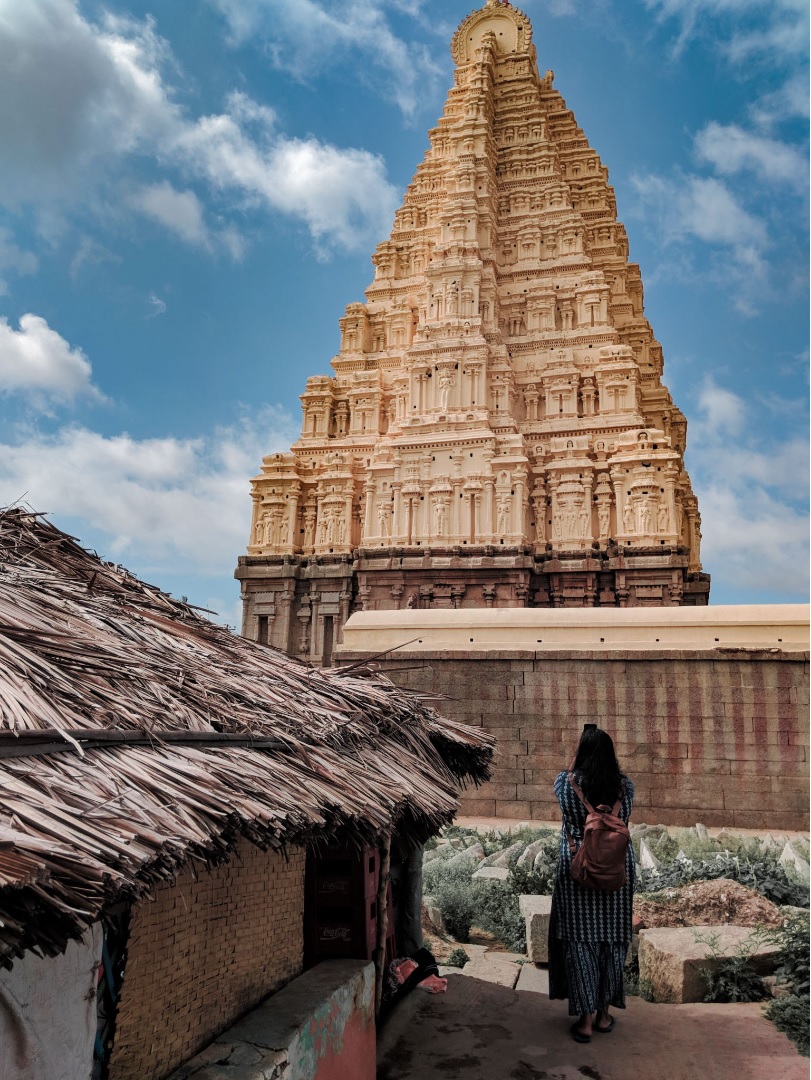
(706,903)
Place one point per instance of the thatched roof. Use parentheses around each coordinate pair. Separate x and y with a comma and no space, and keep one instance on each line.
(135,735)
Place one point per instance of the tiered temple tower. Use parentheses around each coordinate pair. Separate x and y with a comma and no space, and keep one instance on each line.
(496,432)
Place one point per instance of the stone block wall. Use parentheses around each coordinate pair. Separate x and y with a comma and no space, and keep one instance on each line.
(204,951)
(717,736)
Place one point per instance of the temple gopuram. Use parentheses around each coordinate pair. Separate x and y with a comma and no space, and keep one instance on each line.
(496,432)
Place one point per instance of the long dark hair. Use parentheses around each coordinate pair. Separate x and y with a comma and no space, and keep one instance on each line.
(596,768)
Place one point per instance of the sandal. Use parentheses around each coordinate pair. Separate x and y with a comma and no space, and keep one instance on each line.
(578,1036)
(604,1030)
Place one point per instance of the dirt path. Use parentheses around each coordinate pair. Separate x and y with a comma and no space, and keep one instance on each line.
(480,1031)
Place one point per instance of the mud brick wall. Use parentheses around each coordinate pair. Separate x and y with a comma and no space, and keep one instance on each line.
(712,736)
(202,953)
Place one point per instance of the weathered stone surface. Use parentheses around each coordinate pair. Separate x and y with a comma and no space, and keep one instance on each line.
(647,860)
(473,854)
(537,911)
(490,969)
(533,979)
(491,873)
(670,960)
(528,855)
(791,857)
(704,903)
(701,831)
(433,913)
(429,856)
(502,858)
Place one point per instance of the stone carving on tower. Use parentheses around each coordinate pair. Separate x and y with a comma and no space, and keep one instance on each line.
(495,431)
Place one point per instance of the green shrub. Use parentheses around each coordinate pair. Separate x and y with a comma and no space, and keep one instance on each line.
(793,957)
(458,958)
(451,887)
(790,1015)
(496,911)
(734,979)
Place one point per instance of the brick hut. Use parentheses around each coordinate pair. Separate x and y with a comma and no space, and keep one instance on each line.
(162,785)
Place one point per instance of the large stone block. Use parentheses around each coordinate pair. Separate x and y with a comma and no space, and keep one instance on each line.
(537,911)
(671,960)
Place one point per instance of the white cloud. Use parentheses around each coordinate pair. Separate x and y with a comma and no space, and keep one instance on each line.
(179,211)
(77,99)
(773,28)
(751,491)
(304,36)
(787,102)
(13,260)
(182,505)
(157,305)
(730,149)
(688,208)
(37,361)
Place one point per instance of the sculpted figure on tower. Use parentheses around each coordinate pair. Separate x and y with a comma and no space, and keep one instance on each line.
(496,412)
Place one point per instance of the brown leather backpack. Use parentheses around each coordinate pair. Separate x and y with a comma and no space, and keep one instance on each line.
(599,862)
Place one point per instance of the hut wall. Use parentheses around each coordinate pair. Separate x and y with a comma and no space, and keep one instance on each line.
(202,953)
(710,736)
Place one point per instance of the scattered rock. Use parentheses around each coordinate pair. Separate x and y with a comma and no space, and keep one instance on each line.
(527,857)
(473,854)
(791,857)
(776,988)
(670,960)
(432,916)
(703,903)
(769,844)
(537,911)
(469,841)
(429,856)
(539,861)
(727,837)
(502,858)
(650,832)
(647,860)
(491,873)
(701,831)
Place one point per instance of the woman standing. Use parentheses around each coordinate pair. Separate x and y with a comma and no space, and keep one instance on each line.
(590,930)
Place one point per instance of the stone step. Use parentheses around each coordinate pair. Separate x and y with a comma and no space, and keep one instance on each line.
(670,960)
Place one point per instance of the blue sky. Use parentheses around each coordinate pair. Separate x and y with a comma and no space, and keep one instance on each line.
(190,195)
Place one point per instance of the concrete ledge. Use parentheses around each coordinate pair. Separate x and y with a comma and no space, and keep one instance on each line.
(670,960)
(501,631)
(319,1027)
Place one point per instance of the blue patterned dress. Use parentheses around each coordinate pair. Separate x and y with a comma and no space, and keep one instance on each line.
(589,930)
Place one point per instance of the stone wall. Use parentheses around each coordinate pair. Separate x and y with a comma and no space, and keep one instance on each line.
(203,952)
(717,736)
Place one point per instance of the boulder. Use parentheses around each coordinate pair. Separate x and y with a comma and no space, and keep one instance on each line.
(647,860)
(790,857)
(491,873)
(433,914)
(502,858)
(473,854)
(670,960)
(705,903)
(527,857)
(701,831)
(429,856)
(537,911)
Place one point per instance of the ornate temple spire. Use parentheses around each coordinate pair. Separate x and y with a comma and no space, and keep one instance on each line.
(499,390)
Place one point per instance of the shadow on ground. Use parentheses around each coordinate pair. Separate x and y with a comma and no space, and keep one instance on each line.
(481,1031)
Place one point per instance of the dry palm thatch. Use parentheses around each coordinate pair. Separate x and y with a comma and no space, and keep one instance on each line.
(135,736)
